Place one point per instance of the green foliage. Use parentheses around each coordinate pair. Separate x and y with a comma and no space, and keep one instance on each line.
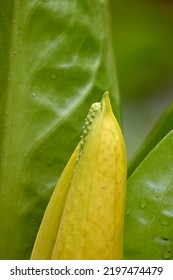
(149,206)
(56,60)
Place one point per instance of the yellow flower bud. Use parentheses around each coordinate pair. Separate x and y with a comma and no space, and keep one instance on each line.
(85,216)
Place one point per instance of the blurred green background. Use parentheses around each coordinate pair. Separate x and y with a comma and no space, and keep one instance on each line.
(142,34)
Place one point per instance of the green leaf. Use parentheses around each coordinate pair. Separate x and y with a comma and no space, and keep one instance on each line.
(56,60)
(149,206)
(162,127)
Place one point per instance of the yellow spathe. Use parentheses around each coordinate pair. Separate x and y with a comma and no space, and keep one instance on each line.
(85,216)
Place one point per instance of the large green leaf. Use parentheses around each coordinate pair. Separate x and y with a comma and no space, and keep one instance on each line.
(56,59)
(162,127)
(149,206)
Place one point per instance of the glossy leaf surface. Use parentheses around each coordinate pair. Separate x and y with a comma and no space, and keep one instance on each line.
(56,59)
(149,206)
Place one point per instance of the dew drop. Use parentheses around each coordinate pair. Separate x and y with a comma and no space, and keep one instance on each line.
(164,220)
(82,142)
(2,166)
(33,94)
(167,254)
(143,204)
(88,122)
(128,211)
(85,132)
(90,119)
(156,193)
(165,238)
(53,77)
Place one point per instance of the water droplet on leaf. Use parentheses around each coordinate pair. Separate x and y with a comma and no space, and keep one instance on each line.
(167,254)
(143,204)
(164,220)
(156,193)
(166,239)
(53,76)
(128,211)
